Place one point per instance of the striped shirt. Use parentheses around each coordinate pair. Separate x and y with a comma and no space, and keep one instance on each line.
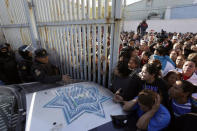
(180,109)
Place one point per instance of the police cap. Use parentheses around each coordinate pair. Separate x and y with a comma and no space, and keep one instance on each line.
(22,51)
(41,53)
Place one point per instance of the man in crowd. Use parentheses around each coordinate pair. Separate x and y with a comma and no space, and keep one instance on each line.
(141,29)
(151,115)
(180,93)
(181,106)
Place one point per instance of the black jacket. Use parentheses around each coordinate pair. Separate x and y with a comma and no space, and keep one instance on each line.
(45,73)
(24,68)
(132,86)
(128,89)
(8,69)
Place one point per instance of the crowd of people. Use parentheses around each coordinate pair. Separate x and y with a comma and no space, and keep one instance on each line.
(156,80)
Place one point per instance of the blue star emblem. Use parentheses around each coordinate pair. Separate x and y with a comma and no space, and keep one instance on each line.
(77,100)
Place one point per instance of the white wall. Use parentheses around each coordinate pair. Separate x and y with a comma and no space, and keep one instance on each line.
(178,25)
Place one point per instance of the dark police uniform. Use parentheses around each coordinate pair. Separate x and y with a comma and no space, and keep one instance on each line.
(24,68)
(45,73)
(24,65)
(8,67)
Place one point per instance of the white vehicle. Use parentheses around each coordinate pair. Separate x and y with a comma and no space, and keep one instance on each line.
(80,106)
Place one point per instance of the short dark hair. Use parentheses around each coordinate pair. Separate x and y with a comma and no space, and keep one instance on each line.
(161,50)
(136,47)
(147,98)
(147,53)
(156,62)
(136,61)
(152,69)
(170,73)
(188,87)
(126,52)
(160,40)
(123,68)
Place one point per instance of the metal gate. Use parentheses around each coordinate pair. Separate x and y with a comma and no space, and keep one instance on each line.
(82,36)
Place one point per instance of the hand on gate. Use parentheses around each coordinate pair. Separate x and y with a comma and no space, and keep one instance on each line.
(66,78)
(117,98)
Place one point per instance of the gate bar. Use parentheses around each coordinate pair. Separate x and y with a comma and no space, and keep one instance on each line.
(15,26)
(83,22)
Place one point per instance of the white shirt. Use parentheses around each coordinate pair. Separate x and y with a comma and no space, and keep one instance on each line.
(192,79)
(167,68)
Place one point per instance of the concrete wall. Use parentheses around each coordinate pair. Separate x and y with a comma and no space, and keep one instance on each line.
(178,25)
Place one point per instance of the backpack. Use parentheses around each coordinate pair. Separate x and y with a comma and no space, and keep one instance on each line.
(12,108)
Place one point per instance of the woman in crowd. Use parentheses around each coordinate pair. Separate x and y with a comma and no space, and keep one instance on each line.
(171,77)
(127,68)
(149,79)
(134,66)
(144,57)
(157,63)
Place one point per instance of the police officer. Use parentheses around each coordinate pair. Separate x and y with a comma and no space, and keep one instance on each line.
(8,66)
(25,64)
(45,72)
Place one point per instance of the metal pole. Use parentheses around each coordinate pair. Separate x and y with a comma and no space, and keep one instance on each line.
(118,18)
(115,38)
(28,4)
(123,22)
